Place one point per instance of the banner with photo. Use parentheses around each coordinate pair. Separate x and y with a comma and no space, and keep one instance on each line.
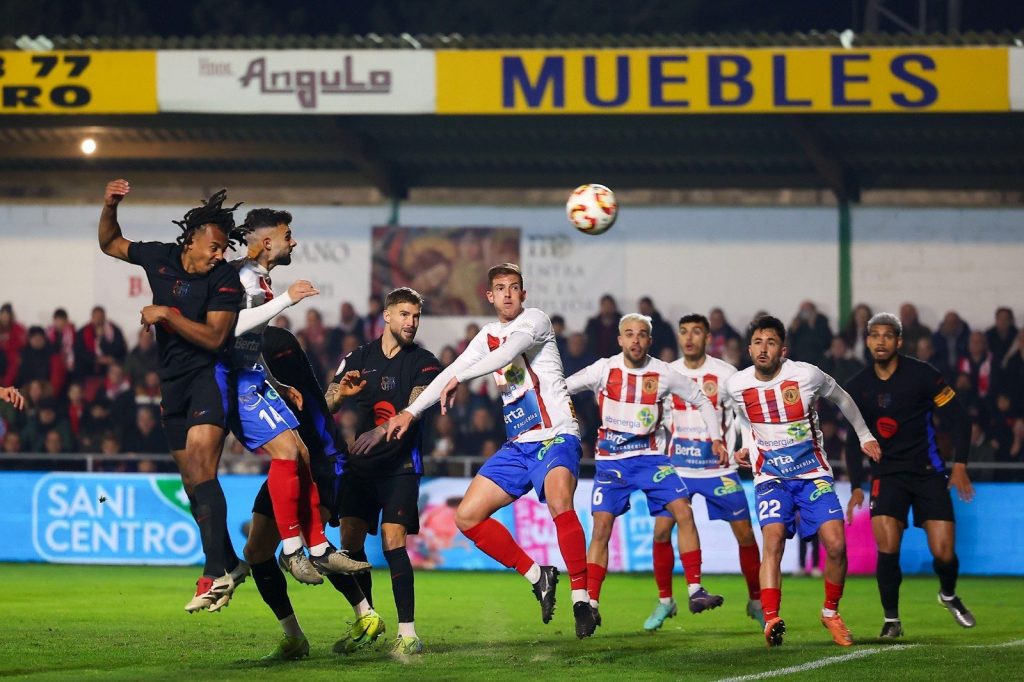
(447,265)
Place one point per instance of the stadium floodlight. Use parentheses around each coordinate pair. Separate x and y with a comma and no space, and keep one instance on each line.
(88,146)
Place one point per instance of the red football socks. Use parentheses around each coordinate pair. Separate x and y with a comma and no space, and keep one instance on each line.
(573,545)
(595,578)
(833,593)
(309,507)
(664,560)
(771,598)
(283,485)
(495,541)
(691,565)
(750,564)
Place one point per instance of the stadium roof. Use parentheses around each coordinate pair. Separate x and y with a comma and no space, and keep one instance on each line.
(844,153)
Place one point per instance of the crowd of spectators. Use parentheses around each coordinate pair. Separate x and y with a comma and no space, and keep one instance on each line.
(87,391)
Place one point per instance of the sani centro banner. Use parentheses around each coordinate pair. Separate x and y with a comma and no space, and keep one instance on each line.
(145,519)
(297,81)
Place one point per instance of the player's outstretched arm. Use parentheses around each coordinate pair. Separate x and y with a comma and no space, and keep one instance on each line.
(112,242)
(848,407)
(587,379)
(10,394)
(344,386)
(251,318)
(210,335)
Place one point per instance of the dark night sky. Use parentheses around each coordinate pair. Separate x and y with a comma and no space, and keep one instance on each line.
(516,17)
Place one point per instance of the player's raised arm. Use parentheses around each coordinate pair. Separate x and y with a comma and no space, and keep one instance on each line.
(112,242)
(587,379)
(837,395)
(251,318)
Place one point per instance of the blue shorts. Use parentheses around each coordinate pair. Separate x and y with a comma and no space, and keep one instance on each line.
(616,479)
(262,414)
(723,495)
(517,467)
(779,500)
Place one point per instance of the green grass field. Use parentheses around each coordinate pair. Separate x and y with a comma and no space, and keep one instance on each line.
(94,622)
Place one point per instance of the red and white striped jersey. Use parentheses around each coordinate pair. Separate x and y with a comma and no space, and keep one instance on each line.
(536,406)
(690,447)
(248,347)
(778,421)
(632,403)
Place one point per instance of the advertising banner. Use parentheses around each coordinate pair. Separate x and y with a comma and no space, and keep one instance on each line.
(101,82)
(145,519)
(722,80)
(297,81)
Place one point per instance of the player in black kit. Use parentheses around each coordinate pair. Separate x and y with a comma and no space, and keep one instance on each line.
(196,299)
(898,396)
(382,478)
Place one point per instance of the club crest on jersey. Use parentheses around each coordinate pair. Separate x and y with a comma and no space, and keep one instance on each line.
(388,383)
(650,385)
(181,288)
(710,388)
(791,395)
(884,400)
(645,417)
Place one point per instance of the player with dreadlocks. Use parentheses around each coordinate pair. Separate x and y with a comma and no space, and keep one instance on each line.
(196,299)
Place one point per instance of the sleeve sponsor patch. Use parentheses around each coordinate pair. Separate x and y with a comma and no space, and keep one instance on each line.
(944,396)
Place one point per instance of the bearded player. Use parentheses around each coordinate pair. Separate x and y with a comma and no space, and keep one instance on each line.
(543,448)
(775,401)
(631,390)
(701,471)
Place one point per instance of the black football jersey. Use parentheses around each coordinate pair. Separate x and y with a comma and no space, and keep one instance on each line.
(191,295)
(389,381)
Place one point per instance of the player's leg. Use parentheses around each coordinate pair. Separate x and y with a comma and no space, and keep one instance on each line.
(776,513)
(357,590)
(933,509)
(750,565)
(663,561)
(597,554)
(259,553)
(399,519)
(553,468)
(890,508)
(888,532)
(690,556)
(473,518)
(821,513)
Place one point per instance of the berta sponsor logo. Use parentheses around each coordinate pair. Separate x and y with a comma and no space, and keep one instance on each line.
(113,518)
(308,85)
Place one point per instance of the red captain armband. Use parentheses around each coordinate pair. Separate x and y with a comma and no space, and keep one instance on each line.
(431,368)
(944,396)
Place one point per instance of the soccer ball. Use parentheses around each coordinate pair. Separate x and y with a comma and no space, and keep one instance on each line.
(592,209)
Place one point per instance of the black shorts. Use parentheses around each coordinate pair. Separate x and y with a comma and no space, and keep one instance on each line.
(200,397)
(388,499)
(327,484)
(895,494)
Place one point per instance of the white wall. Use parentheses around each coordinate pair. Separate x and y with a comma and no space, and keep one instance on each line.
(742,259)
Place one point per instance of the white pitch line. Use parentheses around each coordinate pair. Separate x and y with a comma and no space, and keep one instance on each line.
(821,663)
(1015,642)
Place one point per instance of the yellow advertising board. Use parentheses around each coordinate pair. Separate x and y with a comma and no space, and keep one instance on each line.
(723,80)
(78,82)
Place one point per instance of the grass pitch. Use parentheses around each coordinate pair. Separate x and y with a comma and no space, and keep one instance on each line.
(64,622)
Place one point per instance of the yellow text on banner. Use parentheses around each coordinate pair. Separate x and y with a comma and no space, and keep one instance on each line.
(78,82)
(722,80)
